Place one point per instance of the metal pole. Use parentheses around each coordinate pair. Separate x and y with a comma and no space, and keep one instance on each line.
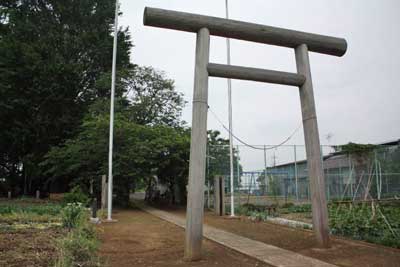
(296,173)
(228,57)
(208,177)
(238,171)
(265,169)
(110,151)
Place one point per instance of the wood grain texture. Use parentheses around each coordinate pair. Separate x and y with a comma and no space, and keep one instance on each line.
(313,149)
(228,28)
(254,74)
(198,144)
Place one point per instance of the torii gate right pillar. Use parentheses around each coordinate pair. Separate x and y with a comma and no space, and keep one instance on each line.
(313,149)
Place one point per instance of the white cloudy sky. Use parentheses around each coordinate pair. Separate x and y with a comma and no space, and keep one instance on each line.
(357,96)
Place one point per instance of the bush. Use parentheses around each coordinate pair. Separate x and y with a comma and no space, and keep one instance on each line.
(287,205)
(361,223)
(79,247)
(76,195)
(246,209)
(72,215)
(300,208)
(258,216)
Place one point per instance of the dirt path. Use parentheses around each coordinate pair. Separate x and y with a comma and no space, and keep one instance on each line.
(343,252)
(140,239)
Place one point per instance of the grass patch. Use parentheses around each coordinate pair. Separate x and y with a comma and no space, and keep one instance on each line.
(13,213)
(79,247)
(78,244)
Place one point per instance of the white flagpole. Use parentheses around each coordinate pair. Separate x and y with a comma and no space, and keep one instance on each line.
(228,51)
(110,151)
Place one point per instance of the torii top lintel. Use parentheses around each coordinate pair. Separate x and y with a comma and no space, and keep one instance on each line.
(228,28)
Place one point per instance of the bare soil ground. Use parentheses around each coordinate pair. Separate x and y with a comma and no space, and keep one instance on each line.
(28,247)
(346,253)
(140,239)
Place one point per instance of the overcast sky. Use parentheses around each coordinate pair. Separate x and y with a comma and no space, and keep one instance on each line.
(357,95)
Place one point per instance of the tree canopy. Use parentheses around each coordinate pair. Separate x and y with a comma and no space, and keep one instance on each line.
(55,75)
(52,54)
(141,152)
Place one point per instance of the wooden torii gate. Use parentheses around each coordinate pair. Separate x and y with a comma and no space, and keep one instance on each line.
(302,43)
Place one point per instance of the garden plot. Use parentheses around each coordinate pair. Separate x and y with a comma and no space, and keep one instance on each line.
(40,233)
(367,221)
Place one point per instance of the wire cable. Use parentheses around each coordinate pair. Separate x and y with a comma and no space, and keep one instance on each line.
(248,145)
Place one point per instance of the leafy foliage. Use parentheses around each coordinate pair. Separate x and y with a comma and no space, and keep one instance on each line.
(300,208)
(140,153)
(76,195)
(353,148)
(152,97)
(49,208)
(73,215)
(79,247)
(22,213)
(219,158)
(362,222)
(52,55)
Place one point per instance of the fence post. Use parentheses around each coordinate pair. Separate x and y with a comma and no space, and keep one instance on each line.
(104,187)
(265,170)
(295,173)
(313,149)
(198,143)
(208,176)
(238,172)
(219,195)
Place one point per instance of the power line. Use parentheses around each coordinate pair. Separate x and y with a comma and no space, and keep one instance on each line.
(248,145)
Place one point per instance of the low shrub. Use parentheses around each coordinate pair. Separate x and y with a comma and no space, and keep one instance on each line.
(73,215)
(79,247)
(76,195)
(246,209)
(257,216)
(300,208)
(379,225)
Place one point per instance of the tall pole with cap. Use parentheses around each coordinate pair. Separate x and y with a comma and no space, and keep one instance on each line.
(110,151)
(228,56)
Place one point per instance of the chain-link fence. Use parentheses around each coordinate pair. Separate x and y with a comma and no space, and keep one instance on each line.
(277,175)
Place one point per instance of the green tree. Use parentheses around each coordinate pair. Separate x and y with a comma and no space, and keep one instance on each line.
(219,158)
(140,153)
(52,54)
(157,146)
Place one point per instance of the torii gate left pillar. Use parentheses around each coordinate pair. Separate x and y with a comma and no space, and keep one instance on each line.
(197,165)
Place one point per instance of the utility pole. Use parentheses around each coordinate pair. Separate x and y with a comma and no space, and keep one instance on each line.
(228,58)
(265,169)
(238,171)
(110,151)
